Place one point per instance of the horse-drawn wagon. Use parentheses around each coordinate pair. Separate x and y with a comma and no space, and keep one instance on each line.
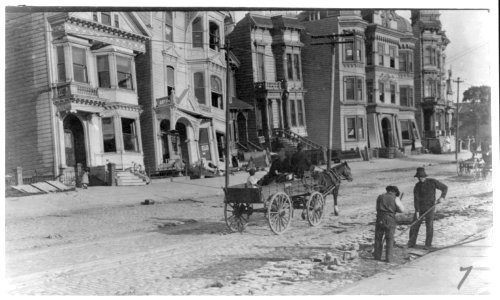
(279,199)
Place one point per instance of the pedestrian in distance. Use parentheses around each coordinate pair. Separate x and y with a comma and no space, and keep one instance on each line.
(424,194)
(388,205)
(85,178)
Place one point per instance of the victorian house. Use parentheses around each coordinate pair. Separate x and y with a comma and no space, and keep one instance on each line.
(270,78)
(183,86)
(435,111)
(72,90)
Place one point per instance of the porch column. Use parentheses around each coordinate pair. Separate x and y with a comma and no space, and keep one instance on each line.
(60,136)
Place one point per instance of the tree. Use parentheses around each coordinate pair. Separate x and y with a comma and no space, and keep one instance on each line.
(475,113)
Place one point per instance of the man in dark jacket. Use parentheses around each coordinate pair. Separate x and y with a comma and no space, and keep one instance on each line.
(299,162)
(424,195)
(388,205)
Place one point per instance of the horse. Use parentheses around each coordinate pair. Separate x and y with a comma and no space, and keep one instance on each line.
(329,181)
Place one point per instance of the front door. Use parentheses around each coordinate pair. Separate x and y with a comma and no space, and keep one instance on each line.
(74,141)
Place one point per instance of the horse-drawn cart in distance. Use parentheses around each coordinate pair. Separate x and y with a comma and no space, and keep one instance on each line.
(279,199)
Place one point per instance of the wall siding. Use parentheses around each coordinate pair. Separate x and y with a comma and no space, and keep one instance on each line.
(29,134)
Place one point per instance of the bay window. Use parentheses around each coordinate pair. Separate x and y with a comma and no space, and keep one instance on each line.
(406,96)
(261,75)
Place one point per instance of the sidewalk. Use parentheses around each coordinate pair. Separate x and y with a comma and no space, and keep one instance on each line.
(437,273)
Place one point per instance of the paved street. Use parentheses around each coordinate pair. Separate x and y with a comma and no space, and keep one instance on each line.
(102,241)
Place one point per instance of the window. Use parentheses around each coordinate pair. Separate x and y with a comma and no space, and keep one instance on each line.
(169,36)
(108,135)
(103,71)
(349,48)
(129,135)
(61,66)
(199,87)
(402,61)
(197,33)
(430,88)
(355,128)
(79,64)
(392,57)
(296,63)
(124,72)
(293,112)
(369,91)
(289,66)
(300,112)
(393,93)
(117,20)
(353,88)
(351,128)
(381,52)
(358,50)
(406,96)
(353,50)
(438,59)
(381,91)
(170,82)
(95,17)
(261,75)
(106,18)
(216,87)
(427,56)
(405,130)
(214,36)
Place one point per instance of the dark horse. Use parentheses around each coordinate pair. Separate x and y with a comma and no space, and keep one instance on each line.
(330,181)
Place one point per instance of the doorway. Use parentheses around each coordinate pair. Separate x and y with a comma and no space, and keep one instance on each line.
(387,132)
(164,129)
(242,128)
(74,141)
(183,141)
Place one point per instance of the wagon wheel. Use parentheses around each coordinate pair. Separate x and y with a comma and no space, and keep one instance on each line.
(279,212)
(234,215)
(315,206)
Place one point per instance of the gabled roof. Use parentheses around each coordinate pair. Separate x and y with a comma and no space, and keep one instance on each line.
(287,22)
(260,21)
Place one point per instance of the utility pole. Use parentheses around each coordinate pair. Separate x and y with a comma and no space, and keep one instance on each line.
(333,41)
(458,81)
(228,101)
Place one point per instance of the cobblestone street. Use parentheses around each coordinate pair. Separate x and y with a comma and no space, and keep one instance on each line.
(102,241)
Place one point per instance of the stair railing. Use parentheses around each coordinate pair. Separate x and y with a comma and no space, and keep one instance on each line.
(285,133)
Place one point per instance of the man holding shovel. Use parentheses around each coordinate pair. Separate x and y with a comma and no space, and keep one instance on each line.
(424,195)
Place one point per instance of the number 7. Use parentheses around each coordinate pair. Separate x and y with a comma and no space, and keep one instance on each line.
(468,269)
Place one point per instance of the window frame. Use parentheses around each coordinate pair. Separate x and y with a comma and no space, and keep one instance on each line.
(216,90)
(170,81)
(381,91)
(197,39)
(84,68)
(169,26)
(392,88)
(111,129)
(130,80)
(214,38)
(381,53)
(133,134)
(392,57)
(357,88)
(199,90)
(261,63)
(99,71)
(359,128)
(61,63)
(289,66)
